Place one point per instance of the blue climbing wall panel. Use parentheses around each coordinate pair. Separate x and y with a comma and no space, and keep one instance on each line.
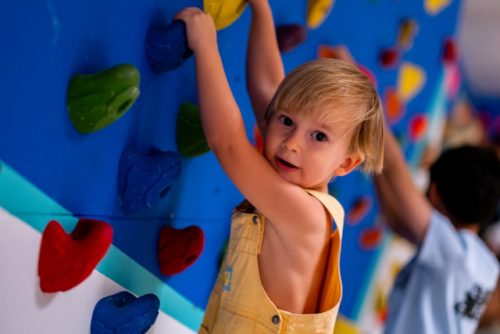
(45,42)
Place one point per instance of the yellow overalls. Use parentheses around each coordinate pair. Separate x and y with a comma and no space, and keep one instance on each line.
(239,304)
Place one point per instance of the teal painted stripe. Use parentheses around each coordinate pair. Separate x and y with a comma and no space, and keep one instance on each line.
(18,195)
(22,199)
(122,269)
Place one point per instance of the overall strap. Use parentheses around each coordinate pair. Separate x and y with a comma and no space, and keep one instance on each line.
(333,206)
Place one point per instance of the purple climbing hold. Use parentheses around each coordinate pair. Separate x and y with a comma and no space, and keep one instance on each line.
(290,36)
(123,313)
(166,46)
(145,179)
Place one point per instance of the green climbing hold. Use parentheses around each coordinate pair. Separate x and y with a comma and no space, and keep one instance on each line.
(95,101)
(190,137)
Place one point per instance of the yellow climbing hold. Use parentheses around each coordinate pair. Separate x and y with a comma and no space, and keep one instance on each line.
(411,80)
(433,7)
(317,12)
(224,12)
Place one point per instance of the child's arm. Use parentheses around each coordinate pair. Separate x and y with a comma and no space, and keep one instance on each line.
(264,65)
(407,210)
(283,203)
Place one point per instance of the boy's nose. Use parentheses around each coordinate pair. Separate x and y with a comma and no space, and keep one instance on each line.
(292,143)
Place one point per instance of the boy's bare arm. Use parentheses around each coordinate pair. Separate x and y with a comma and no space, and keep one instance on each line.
(282,202)
(264,64)
(407,210)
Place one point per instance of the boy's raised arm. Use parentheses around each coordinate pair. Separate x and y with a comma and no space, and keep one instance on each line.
(407,210)
(280,201)
(264,64)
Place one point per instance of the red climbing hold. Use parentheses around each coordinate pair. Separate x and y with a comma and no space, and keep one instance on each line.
(450,52)
(359,210)
(290,36)
(178,249)
(259,142)
(418,126)
(67,259)
(370,238)
(389,58)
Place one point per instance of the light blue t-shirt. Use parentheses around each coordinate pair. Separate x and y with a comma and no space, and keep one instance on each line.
(445,287)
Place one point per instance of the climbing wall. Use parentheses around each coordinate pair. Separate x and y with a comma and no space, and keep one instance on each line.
(51,170)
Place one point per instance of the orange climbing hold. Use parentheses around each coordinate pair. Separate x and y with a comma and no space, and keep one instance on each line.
(394,105)
(407,31)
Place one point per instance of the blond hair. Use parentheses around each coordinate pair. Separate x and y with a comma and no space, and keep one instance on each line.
(337,92)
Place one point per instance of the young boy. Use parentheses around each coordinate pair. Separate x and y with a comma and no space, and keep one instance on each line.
(281,271)
(446,285)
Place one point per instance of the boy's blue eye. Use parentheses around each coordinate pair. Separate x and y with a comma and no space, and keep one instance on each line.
(285,120)
(319,136)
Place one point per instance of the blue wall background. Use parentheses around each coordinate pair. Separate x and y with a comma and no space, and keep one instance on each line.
(44,43)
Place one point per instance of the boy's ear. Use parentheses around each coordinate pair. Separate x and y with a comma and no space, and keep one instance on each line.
(351,161)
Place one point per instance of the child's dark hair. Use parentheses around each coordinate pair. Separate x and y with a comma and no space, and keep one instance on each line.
(468,182)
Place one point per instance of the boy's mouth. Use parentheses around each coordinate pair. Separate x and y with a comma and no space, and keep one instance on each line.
(285,165)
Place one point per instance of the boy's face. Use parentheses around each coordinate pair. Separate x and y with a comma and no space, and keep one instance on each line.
(305,151)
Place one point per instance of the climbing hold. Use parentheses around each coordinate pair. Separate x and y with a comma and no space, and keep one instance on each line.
(178,249)
(258,141)
(394,105)
(67,259)
(433,7)
(407,31)
(123,313)
(224,12)
(411,80)
(369,74)
(190,138)
(450,52)
(389,57)
(336,52)
(359,210)
(371,237)
(290,36)
(452,80)
(342,52)
(418,126)
(145,179)
(95,101)
(317,12)
(166,46)
(327,51)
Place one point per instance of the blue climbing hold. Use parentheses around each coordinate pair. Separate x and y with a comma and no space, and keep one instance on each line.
(166,46)
(145,179)
(123,313)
